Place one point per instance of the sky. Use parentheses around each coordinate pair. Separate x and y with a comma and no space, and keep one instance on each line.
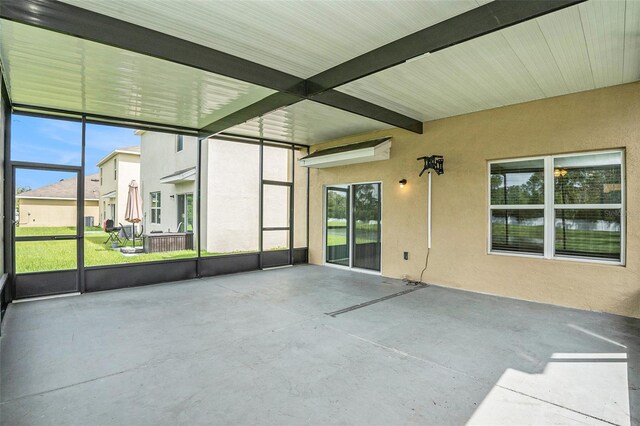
(44,140)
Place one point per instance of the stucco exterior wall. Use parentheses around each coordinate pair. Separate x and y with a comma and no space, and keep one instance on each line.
(51,212)
(300,203)
(594,120)
(2,142)
(230,191)
(128,170)
(231,203)
(158,158)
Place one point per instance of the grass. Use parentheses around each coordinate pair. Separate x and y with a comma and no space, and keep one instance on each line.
(338,231)
(576,240)
(54,230)
(37,256)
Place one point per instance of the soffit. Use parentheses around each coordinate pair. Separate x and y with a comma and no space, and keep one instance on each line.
(592,45)
(301,38)
(52,70)
(307,123)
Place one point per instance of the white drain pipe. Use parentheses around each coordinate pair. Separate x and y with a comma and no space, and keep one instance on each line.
(429,212)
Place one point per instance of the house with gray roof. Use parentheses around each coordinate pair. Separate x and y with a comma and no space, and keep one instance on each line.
(55,205)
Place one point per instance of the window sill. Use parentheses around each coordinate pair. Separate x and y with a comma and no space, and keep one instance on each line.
(559,258)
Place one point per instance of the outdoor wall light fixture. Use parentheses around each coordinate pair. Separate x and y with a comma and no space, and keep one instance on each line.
(172,196)
(402,182)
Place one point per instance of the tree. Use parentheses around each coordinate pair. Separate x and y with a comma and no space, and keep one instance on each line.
(366,203)
(20,190)
(336,205)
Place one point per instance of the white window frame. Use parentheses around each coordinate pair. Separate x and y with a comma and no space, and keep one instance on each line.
(549,208)
(157,209)
(179,143)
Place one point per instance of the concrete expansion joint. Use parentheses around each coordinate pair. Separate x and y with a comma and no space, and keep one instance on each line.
(564,407)
(404,354)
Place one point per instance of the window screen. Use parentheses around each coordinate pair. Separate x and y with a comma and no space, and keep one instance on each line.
(583,213)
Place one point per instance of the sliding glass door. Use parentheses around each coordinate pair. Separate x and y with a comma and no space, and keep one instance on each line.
(353,224)
(366,226)
(337,226)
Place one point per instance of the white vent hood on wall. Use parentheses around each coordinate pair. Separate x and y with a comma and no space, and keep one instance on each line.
(362,152)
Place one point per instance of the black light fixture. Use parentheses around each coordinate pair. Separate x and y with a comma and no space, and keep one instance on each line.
(402,182)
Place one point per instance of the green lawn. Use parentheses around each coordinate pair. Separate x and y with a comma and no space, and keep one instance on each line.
(574,240)
(364,233)
(36,256)
(53,230)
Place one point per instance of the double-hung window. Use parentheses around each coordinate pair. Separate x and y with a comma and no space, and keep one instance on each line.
(561,206)
(155,207)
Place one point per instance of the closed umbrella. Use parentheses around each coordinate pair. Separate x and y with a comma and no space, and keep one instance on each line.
(133,212)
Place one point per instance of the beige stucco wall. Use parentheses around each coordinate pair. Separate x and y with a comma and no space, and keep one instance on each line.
(128,170)
(52,212)
(599,119)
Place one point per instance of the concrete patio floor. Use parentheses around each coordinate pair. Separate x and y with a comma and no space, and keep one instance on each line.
(257,348)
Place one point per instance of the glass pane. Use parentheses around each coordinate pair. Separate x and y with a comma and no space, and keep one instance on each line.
(117,157)
(276,163)
(519,231)
(46,140)
(275,240)
(276,206)
(588,233)
(337,226)
(366,216)
(517,182)
(300,202)
(185,212)
(41,256)
(230,197)
(46,202)
(588,179)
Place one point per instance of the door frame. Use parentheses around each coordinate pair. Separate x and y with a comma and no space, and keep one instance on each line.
(338,188)
(78,237)
(324,226)
(184,205)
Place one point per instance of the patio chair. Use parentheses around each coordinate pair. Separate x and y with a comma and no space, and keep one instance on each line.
(113,232)
(128,233)
(125,234)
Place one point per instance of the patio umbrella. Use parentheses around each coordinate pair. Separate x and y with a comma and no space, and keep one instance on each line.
(133,212)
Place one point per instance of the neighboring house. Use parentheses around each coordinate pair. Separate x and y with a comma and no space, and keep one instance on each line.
(168,181)
(117,170)
(56,204)
(230,198)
